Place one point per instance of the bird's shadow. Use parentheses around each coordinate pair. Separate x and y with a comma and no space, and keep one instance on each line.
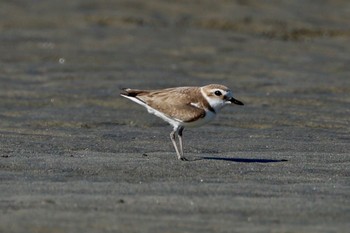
(242,160)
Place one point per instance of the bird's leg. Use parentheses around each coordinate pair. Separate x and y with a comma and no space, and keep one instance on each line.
(172,137)
(179,132)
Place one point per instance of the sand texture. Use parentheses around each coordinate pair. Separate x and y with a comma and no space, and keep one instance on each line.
(77,157)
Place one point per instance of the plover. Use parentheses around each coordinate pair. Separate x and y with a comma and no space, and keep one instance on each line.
(183,106)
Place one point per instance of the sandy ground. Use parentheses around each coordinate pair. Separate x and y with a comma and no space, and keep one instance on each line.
(76,157)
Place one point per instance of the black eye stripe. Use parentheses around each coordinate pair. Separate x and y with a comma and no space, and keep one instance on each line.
(217,93)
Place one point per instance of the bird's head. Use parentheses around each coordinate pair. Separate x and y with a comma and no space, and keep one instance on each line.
(218,96)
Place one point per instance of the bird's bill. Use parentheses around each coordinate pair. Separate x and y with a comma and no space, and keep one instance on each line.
(235,101)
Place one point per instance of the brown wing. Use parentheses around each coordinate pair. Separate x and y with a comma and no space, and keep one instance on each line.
(175,102)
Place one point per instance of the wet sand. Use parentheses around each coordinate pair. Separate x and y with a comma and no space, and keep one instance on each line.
(75,156)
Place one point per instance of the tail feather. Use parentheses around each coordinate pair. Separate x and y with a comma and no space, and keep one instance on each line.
(131,92)
(125,92)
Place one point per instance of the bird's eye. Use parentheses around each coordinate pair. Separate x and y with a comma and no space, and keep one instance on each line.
(217,93)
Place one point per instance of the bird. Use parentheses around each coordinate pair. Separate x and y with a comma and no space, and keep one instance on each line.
(189,106)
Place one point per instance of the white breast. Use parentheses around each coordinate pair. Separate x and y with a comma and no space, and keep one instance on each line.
(209,116)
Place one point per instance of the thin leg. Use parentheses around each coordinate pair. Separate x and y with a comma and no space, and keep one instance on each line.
(179,132)
(172,137)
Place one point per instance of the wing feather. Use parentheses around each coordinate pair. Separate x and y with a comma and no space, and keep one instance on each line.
(184,103)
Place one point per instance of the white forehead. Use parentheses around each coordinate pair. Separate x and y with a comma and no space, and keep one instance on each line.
(224,92)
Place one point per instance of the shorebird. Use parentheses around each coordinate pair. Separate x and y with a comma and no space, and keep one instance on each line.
(183,106)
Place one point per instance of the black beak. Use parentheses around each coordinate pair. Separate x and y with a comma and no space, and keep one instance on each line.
(233,100)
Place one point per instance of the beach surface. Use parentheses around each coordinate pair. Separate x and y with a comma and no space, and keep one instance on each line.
(77,157)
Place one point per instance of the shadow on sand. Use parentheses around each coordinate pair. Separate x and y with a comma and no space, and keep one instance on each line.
(244,160)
